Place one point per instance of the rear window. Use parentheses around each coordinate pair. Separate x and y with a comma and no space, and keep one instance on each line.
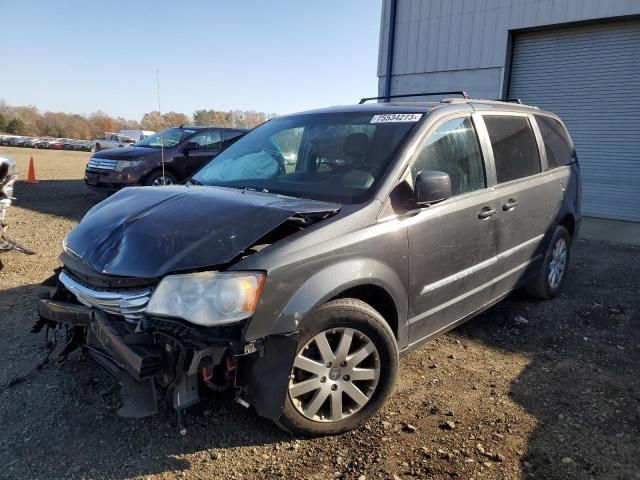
(515,150)
(556,142)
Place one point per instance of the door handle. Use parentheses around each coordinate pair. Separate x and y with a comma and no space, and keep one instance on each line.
(510,205)
(486,212)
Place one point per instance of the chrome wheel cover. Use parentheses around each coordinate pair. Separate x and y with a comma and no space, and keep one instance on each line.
(162,181)
(558,263)
(334,375)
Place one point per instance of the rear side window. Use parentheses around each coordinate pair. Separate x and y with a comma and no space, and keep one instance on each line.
(515,150)
(556,142)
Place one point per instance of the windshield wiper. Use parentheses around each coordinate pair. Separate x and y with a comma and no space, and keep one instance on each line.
(193,181)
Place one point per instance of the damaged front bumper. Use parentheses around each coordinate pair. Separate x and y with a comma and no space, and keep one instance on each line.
(168,361)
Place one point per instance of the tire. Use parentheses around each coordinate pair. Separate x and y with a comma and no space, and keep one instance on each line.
(368,334)
(155,177)
(543,286)
(97,147)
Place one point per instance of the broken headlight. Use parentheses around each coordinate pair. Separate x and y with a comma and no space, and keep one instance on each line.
(208,298)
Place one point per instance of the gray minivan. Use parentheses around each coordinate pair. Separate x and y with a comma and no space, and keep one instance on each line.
(298,282)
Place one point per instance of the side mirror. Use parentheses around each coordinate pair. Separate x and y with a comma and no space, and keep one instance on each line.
(189,146)
(431,186)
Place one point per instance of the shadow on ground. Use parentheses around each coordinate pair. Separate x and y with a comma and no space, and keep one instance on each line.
(64,198)
(582,384)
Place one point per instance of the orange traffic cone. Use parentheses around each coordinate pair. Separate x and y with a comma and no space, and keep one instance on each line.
(31,177)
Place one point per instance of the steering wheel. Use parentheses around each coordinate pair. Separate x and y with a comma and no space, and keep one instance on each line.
(273,149)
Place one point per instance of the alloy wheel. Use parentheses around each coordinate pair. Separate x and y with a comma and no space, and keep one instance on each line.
(558,263)
(334,375)
(162,180)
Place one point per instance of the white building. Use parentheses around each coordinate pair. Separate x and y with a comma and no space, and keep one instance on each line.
(577,58)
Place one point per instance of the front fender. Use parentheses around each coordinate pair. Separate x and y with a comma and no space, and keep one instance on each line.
(327,284)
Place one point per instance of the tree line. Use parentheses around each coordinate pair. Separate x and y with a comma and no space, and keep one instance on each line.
(28,120)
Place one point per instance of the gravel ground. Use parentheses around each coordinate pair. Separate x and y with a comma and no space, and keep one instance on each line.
(553,396)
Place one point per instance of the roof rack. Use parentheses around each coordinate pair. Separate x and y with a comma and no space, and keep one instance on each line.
(510,100)
(457,92)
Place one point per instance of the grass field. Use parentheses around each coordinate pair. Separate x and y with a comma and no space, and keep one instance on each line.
(49,164)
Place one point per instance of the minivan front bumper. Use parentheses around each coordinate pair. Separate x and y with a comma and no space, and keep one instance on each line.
(148,369)
(139,358)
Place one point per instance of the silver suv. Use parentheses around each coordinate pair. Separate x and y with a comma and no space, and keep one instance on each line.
(298,282)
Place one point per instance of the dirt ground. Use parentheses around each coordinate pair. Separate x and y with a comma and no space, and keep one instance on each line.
(554,396)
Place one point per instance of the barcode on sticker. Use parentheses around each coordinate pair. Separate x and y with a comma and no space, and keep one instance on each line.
(396,117)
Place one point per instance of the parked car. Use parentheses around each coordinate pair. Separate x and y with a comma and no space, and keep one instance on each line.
(58,144)
(16,141)
(30,143)
(136,134)
(70,144)
(5,140)
(112,140)
(42,143)
(84,146)
(300,286)
(184,150)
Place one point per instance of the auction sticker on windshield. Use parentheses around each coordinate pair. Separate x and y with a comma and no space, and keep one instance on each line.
(396,117)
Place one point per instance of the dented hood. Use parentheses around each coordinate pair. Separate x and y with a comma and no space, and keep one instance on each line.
(148,232)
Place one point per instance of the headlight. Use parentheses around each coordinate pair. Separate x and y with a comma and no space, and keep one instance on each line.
(122,164)
(208,298)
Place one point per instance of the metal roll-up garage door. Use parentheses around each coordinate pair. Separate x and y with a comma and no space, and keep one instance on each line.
(590,76)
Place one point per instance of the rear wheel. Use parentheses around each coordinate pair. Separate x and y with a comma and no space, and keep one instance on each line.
(343,372)
(549,281)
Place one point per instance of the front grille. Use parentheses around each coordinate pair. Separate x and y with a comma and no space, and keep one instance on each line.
(102,164)
(129,304)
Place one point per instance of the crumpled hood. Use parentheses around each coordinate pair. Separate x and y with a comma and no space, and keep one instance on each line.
(128,153)
(148,232)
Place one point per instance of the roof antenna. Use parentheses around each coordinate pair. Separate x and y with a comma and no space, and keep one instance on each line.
(164,179)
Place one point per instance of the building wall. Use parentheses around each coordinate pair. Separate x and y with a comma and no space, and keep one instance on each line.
(462,44)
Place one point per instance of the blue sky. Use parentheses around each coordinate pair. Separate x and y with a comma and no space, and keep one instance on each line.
(274,56)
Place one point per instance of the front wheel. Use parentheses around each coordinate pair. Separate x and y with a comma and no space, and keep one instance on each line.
(549,281)
(158,179)
(344,370)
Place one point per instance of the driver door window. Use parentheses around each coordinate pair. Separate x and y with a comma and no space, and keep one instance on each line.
(210,141)
(454,149)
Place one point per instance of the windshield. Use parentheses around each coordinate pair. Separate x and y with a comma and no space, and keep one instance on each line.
(167,138)
(334,157)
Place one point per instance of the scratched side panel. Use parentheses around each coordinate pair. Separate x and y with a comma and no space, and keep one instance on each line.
(451,261)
